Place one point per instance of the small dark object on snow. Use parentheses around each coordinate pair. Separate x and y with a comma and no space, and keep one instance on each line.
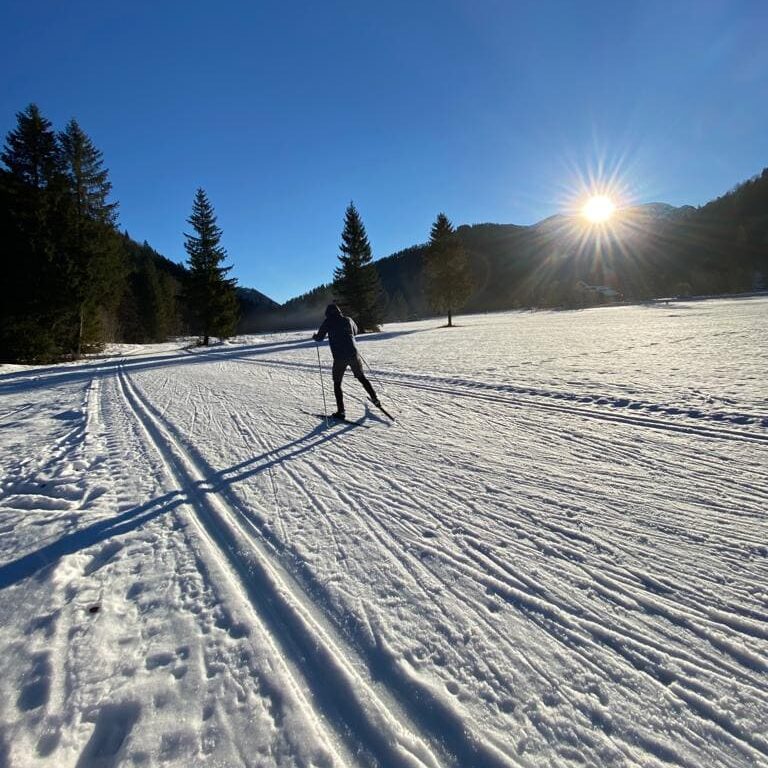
(93,609)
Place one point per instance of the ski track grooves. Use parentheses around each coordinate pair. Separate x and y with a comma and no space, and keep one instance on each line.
(442,719)
(631,645)
(511,395)
(352,704)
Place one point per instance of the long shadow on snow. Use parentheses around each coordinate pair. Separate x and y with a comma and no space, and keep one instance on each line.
(40,378)
(47,556)
(27,565)
(427,710)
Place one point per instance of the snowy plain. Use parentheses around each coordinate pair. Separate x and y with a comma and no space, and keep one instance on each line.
(558,554)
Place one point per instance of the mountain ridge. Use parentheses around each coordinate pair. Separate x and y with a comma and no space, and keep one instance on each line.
(648,250)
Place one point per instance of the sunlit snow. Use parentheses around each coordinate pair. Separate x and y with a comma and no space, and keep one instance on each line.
(558,554)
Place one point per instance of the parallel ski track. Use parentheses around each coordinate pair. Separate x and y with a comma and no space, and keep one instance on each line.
(409,566)
(511,395)
(13,412)
(362,718)
(400,560)
(578,627)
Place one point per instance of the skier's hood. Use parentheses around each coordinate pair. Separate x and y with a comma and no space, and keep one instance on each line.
(332,311)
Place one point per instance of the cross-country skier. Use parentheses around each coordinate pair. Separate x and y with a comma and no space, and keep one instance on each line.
(341,333)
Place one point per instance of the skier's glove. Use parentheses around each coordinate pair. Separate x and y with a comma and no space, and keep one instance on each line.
(314,337)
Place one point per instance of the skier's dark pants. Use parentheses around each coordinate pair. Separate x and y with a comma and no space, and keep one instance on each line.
(339,367)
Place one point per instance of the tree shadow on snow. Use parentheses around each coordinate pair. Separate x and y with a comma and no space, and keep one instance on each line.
(46,557)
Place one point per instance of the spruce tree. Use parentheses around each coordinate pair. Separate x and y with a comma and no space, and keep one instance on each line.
(448,280)
(88,180)
(210,296)
(31,153)
(32,262)
(356,281)
(397,309)
(95,268)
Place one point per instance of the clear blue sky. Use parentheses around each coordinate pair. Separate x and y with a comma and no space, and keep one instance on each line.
(489,110)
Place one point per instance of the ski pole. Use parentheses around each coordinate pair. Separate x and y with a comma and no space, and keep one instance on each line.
(322,386)
(370,370)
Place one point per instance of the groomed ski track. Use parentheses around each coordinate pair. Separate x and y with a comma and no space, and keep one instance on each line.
(535,573)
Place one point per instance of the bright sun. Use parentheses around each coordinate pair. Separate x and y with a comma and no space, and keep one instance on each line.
(598,209)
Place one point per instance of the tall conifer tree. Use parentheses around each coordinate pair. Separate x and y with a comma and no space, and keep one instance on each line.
(33,270)
(448,280)
(356,280)
(209,294)
(88,179)
(94,264)
(31,153)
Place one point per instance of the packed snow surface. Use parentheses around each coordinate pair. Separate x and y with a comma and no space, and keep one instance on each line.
(558,554)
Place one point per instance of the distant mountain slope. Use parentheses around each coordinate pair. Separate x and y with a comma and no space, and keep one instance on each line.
(151,308)
(250,297)
(646,251)
(253,306)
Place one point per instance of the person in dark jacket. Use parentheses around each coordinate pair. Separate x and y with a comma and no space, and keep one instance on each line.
(341,333)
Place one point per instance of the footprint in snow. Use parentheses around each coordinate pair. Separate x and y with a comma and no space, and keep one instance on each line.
(162,659)
(113,725)
(36,684)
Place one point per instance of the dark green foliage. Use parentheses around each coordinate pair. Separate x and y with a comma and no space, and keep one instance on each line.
(210,296)
(88,180)
(650,251)
(31,153)
(356,282)
(70,281)
(35,224)
(95,276)
(150,307)
(302,312)
(448,281)
(398,309)
(402,275)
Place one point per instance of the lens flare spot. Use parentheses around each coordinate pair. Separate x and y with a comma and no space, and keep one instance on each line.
(598,209)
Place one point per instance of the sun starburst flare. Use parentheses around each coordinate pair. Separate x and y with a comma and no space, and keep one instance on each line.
(598,209)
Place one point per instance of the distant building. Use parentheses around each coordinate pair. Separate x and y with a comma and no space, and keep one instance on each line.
(598,290)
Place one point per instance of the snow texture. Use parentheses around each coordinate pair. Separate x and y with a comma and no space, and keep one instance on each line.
(558,554)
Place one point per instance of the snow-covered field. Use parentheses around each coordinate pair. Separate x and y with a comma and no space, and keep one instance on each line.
(557,556)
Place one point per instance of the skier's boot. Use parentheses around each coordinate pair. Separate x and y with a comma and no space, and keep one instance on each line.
(339,415)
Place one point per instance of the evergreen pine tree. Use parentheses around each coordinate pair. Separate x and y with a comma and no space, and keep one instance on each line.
(95,268)
(35,204)
(31,153)
(88,180)
(448,281)
(210,296)
(356,281)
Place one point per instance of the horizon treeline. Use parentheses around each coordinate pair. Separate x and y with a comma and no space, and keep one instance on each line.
(648,252)
(71,280)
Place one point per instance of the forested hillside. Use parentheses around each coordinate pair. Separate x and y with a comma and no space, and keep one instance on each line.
(646,251)
(71,280)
